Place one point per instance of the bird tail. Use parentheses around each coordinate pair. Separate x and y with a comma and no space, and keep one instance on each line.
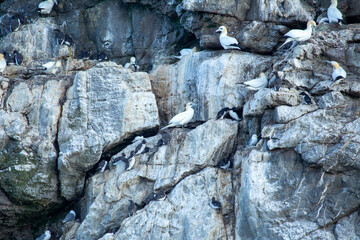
(342,21)
(286,42)
(166,127)
(234,46)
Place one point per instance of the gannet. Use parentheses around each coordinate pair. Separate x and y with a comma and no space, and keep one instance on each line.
(215,204)
(18,57)
(132,64)
(70,216)
(160,196)
(52,67)
(297,35)
(338,72)
(2,63)
(45,236)
(45,7)
(182,118)
(334,15)
(226,41)
(132,208)
(186,51)
(253,140)
(257,83)
(221,114)
(306,98)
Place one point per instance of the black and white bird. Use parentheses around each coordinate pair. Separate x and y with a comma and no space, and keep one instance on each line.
(253,140)
(2,63)
(165,139)
(8,58)
(68,41)
(182,118)
(334,15)
(306,98)
(18,57)
(132,208)
(236,113)
(45,236)
(160,196)
(84,54)
(102,57)
(215,204)
(122,158)
(132,65)
(129,164)
(225,163)
(275,82)
(102,166)
(140,147)
(70,216)
(149,198)
(45,7)
(226,41)
(59,37)
(52,67)
(257,83)
(222,113)
(298,35)
(15,22)
(137,139)
(338,72)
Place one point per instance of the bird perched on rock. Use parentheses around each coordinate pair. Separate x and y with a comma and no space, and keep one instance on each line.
(225,163)
(222,113)
(132,64)
(122,158)
(15,22)
(338,72)
(45,7)
(59,37)
(52,67)
(70,216)
(306,98)
(149,198)
(130,161)
(298,35)
(165,139)
(68,40)
(2,63)
(160,196)
(215,204)
(140,148)
(253,140)
(132,208)
(235,113)
(8,58)
(226,41)
(18,57)
(45,236)
(182,118)
(186,51)
(102,166)
(275,82)
(257,83)
(102,57)
(84,54)
(138,138)
(334,15)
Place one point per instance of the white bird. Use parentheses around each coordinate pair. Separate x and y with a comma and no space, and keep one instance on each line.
(2,63)
(257,83)
(132,64)
(226,41)
(45,236)
(52,67)
(253,140)
(338,72)
(334,15)
(70,216)
(45,7)
(186,51)
(298,35)
(182,118)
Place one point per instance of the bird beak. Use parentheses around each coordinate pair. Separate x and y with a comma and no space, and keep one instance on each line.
(218,30)
(328,62)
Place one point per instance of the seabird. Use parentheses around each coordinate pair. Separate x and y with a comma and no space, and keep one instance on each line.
(215,204)
(334,15)
(298,35)
(226,41)
(130,162)
(149,198)
(186,51)
(52,67)
(45,236)
(306,98)
(15,23)
(2,63)
(18,57)
(132,65)
(235,113)
(160,196)
(165,138)
(132,208)
(140,148)
(257,83)
(8,58)
(338,72)
(84,54)
(59,37)
(275,82)
(221,114)
(253,140)
(68,40)
(45,7)
(122,158)
(225,163)
(138,138)
(102,166)
(70,216)
(182,118)
(102,57)
(146,149)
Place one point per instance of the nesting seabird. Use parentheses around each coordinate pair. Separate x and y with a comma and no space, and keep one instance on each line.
(122,158)
(160,196)
(18,57)
(182,118)
(68,40)
(215,204)
(8,58)
(235,113)
(102,57)
(132,208)
(334,15)
(149,198)
(102,166)
(140,147)
(306,98)
(2,63)
(257,83)
(70,216)
(275,82)
(45,7)
(253,140)
(225,163)
(52,67)
(15,23)
(138,138)
(165,138)
(338,72)
(221,114)
(59,37)
(45,236)
(298,35)
(226,41)
(130,161)
(132,65)
(186,51)
(84,54)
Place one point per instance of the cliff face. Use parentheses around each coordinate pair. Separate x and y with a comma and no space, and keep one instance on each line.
(300,181)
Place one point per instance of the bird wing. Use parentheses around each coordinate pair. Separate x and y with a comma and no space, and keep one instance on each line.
(257,83)
(49,64)
(178,117)
(295,33)
(185,51)
(334,13)
(227,41)
(46,5)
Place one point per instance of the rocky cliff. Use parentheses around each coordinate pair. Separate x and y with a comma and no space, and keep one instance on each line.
(299,181)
